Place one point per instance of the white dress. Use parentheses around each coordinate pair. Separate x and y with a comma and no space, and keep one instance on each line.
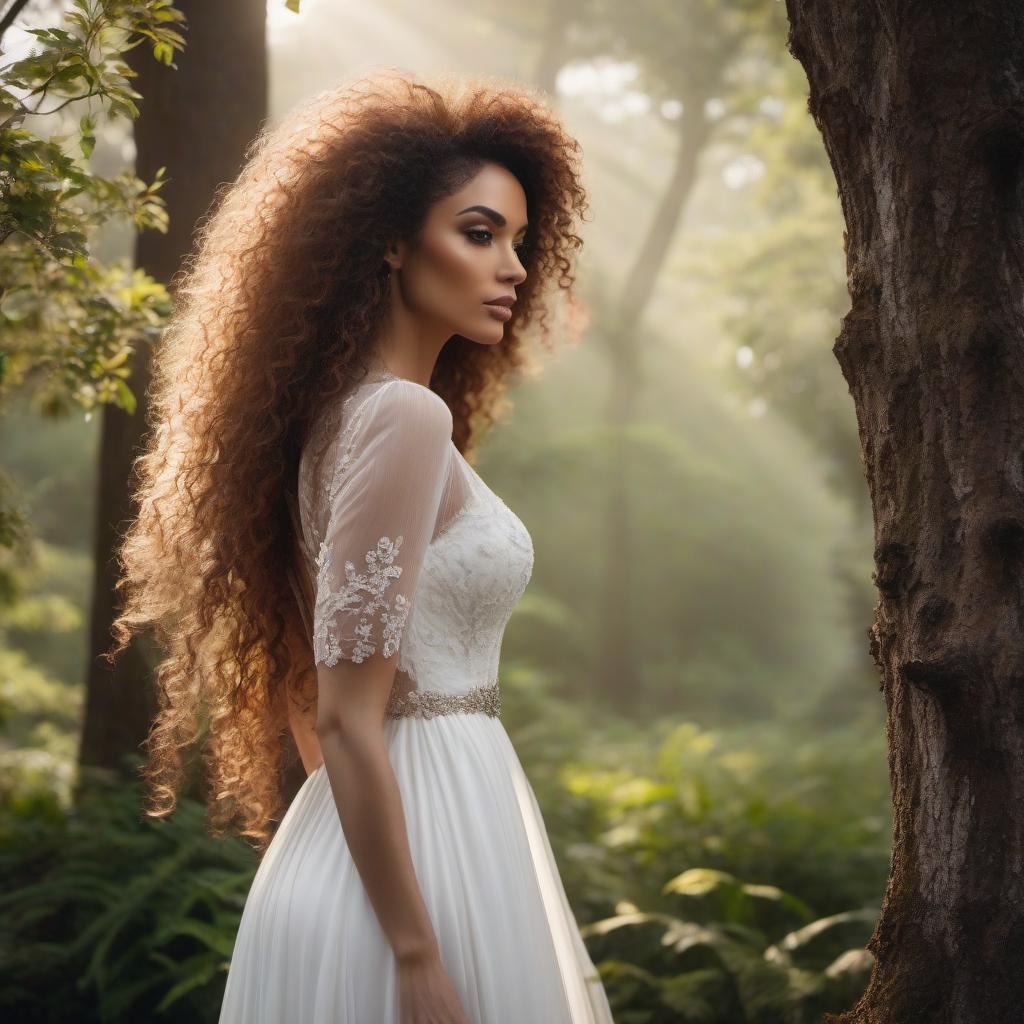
(408,551)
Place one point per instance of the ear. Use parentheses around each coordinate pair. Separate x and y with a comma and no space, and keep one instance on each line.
(394,255)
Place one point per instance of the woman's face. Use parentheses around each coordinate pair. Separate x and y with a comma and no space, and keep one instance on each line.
(465,258)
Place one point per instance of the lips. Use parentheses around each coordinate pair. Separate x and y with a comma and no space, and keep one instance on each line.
(501,300)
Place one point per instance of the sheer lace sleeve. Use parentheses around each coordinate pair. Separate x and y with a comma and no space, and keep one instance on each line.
(384,499)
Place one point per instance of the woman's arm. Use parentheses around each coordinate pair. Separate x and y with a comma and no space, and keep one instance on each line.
(384,503)
(303,727)
(350,728)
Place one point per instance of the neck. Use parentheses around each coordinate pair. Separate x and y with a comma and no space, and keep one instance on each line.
(405,345)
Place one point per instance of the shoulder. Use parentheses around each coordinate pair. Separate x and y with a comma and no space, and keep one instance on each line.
(409,408)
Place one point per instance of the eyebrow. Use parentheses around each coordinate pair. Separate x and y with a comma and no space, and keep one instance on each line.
(492,215)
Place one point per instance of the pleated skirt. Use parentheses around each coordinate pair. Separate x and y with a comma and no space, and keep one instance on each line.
(310,950)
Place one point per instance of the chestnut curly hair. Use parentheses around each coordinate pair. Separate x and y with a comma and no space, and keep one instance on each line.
(275,310)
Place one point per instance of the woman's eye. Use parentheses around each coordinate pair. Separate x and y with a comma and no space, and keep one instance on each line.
(474,234)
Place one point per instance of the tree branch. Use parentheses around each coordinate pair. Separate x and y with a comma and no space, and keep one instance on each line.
(10,14)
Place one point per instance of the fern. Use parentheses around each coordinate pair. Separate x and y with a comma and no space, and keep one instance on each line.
(106,916)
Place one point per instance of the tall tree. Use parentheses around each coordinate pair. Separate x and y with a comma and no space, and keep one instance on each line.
(197,123)
(686,54)
(919,106)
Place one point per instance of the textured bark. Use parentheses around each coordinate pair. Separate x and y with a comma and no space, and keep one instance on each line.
(196,121)
(921,108)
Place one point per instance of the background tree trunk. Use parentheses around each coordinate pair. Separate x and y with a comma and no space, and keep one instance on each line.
(196,121)
(921,107)
(617,676)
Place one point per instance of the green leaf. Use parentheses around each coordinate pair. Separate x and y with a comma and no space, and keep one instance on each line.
(163,53)
(87,127)
(70,73)
(127,396)
(203,971)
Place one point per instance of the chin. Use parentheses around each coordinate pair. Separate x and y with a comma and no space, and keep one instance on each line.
(487,339)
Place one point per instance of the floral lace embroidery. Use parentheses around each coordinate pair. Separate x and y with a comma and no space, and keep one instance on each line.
(380,570)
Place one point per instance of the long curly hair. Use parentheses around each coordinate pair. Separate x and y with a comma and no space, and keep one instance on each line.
(275,310)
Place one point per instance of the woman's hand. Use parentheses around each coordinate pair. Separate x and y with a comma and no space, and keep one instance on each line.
(426,994)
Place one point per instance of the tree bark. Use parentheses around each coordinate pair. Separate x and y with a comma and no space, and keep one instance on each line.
(196,121)
(921,108)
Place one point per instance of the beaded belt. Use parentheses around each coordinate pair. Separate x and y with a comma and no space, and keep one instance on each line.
(428,703)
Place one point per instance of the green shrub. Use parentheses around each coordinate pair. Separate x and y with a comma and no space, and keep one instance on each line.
(110,916)
(720,877)
(657,829)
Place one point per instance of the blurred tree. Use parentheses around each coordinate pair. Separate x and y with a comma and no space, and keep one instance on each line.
(198,123)
(778,281)
(687,55)
(919,108)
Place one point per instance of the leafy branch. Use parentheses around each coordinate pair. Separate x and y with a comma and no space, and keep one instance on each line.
(69,323)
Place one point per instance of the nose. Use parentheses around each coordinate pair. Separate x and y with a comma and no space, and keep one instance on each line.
(513,272)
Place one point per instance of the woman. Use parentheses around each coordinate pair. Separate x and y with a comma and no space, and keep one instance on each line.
(317,554)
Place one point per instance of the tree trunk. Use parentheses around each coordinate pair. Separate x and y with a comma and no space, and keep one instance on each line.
(616,674)
(921,107)
(197,121)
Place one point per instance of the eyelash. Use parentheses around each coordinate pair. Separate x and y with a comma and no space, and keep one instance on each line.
(519,247)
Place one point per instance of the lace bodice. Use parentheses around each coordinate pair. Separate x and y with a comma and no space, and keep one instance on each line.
(404,549)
